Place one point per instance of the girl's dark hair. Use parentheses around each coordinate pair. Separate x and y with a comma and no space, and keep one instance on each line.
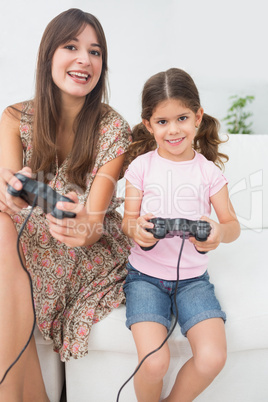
(175,84)
(47,101)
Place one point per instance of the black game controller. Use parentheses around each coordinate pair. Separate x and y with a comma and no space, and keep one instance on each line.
(165,228)
(47,198)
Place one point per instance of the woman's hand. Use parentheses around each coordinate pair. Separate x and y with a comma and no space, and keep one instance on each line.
(9,203)
(75,232)
(214,239)
(139,232)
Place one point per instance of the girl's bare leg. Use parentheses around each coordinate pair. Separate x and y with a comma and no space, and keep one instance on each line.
(208,343)
(16,313)
(148,381)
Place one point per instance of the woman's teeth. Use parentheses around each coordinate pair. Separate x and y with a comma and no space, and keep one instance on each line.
(79,75)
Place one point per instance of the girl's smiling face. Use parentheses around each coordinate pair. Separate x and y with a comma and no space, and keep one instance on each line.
(77,64)
(174,126)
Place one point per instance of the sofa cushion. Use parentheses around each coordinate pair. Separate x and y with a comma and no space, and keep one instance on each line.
(248,178)
(239,272)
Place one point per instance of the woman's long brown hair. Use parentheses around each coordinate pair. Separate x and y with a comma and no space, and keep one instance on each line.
(47,104)
(175,84)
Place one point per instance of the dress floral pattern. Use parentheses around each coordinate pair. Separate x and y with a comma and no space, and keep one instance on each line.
(75,288)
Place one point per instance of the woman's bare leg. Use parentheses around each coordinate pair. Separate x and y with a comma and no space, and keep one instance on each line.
(33,383)
(16,314)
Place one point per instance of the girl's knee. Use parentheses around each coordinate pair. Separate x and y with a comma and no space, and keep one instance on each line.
(155,367)
(210,361)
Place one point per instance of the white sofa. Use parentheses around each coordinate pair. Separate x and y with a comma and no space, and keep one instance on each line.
(240,273)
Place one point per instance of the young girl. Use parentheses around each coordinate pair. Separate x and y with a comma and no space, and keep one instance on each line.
(177,178)
(74,142)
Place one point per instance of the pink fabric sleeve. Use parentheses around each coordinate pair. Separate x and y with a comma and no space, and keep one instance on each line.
(217,180)
(134,174)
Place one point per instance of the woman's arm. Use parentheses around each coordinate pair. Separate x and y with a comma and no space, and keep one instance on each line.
(87,227)
(11,158)
(133,224)
(10,141)
(228,228)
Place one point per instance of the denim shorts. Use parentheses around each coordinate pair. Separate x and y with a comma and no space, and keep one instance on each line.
(152,299)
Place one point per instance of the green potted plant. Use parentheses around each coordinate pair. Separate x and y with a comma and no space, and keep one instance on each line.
(237,117)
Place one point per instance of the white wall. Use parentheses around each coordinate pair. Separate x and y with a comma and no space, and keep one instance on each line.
(222,44)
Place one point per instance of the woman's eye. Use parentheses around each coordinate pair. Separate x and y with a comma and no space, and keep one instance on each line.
(95,52)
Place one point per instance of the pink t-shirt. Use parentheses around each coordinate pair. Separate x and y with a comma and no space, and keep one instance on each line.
(173,190)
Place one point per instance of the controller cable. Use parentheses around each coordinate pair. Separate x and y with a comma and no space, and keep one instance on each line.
(31,286)
(170,331)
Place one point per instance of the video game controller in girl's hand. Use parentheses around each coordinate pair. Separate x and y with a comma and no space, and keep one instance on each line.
(166,228)
(45,196)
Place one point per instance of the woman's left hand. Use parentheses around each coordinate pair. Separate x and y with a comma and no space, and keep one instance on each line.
(75,232)
(214,238)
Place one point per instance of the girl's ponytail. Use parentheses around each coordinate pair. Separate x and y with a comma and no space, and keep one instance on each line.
(143,141)
(207,140)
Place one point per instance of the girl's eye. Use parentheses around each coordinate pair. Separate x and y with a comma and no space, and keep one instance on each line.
(162,122)
(182,118)
(70,47)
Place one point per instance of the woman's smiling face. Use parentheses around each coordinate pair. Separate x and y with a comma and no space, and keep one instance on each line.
(77,64)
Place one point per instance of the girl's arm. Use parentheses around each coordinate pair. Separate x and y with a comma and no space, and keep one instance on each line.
(228,228)
(87,227)
(133,224)
(229,225)
(11,159)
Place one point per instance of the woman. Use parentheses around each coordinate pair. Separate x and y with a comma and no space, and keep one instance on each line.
(72,141)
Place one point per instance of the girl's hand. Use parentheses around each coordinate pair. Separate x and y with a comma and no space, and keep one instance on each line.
(8,203)
(75,232)
(140,234)
(213,240)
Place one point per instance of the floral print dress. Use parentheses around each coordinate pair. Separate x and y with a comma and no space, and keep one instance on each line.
(76,287)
